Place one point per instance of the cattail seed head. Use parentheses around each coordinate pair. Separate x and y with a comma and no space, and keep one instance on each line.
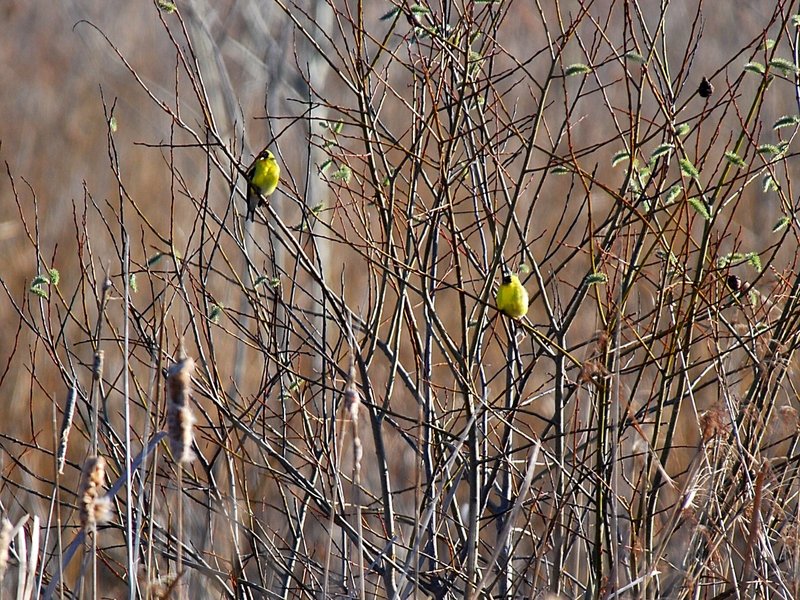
(180,422)
(94,507)
(6,529)
(352,400)
(97,366)
(714,423)
(66,426)
(789,415)
(709,425)
(180,419)
(179,381)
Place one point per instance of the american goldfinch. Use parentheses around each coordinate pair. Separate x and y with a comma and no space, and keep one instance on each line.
(262,179)
(512,298)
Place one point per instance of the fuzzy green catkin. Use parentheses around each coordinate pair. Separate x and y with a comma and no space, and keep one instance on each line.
(180,419)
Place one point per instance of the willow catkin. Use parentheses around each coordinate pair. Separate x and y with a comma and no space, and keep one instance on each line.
(180,419)
(94,507)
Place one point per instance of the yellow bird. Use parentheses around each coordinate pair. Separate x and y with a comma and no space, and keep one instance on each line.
(512,297)
(262,179)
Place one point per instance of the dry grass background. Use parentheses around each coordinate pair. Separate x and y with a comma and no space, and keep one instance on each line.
(390,268)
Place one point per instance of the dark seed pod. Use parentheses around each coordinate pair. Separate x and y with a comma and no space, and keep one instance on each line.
(737,286)
(705,89)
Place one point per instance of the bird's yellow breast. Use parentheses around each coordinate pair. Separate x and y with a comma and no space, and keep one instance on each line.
(512,298)
(266,174)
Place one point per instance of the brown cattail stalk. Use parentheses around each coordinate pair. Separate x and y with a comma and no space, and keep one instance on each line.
(94,507)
